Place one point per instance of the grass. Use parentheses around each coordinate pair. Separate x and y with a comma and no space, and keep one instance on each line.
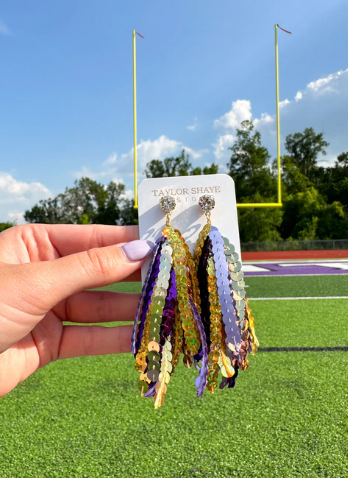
(132,287)
(304,286)
(305,323)
(286,417)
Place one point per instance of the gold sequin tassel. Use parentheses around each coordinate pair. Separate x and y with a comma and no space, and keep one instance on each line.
(253,339)
(191,336)
(215,328)
(166,368)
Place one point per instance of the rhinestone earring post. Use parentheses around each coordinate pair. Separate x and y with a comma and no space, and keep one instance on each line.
(167,204)
(207,204)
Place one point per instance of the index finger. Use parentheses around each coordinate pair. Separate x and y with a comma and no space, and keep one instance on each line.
(72,238)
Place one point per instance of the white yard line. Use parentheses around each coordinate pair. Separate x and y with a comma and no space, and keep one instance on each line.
(295,275)
(297,298)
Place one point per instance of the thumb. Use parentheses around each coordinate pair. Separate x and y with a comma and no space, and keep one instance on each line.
(52,281)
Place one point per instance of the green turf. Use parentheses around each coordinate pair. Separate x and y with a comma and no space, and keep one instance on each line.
(305,286)
(305,323)
(286,417)
(84,418)
(292,323)
(123,287)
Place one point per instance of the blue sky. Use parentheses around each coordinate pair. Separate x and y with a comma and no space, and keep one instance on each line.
(66,84)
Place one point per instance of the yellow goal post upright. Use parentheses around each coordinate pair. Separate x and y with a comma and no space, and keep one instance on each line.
(135,33)
(279,203)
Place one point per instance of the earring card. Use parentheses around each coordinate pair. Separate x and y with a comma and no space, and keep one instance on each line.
(187,216)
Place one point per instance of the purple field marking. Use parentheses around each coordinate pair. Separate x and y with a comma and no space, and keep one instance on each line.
(297,268)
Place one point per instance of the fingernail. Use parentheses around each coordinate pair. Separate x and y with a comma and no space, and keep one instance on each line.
(137,250)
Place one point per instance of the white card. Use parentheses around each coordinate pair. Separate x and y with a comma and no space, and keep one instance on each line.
(188,217)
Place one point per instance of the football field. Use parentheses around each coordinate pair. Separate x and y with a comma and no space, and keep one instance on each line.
(286,417)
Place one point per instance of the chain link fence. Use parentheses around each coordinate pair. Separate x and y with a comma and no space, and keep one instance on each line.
(334,244)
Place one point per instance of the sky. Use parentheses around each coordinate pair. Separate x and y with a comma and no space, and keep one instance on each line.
(66,104)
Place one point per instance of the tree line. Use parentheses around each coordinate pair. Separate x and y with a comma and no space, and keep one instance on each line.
(315,198)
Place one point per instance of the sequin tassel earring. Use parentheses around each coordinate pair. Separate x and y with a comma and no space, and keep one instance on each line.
(225,311)
(167,321)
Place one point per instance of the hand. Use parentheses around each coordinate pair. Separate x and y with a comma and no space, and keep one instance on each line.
(43,271)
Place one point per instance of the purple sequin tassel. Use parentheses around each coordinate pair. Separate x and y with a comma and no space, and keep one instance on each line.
(225,295)
(151,278)
(201,380)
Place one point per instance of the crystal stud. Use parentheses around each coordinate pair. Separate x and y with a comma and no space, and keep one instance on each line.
(207,203)
(167,203)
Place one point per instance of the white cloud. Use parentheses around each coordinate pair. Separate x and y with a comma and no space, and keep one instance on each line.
(196,153)
(161,148)
(228,123)
(87,172)
(240,111)
(323,84)
(16,217)
(122,165)
(128,194)
(17,196)
(193,126)
(12,190)
(110,160)
(221,151)
(328,84)
(322,104)
(283,103)
(147,150)
(265,119)
(4,30)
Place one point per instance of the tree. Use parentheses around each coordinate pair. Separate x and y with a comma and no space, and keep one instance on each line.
(315,199)
(84,219)
(307,216)
(249,166)
(342,160)
(87,202)
(209,169)
(179,166)
(304,149)
(260,224)
(332,182)
(255,181)
(129,215)
(293,179)
(6,225)
(314,196)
